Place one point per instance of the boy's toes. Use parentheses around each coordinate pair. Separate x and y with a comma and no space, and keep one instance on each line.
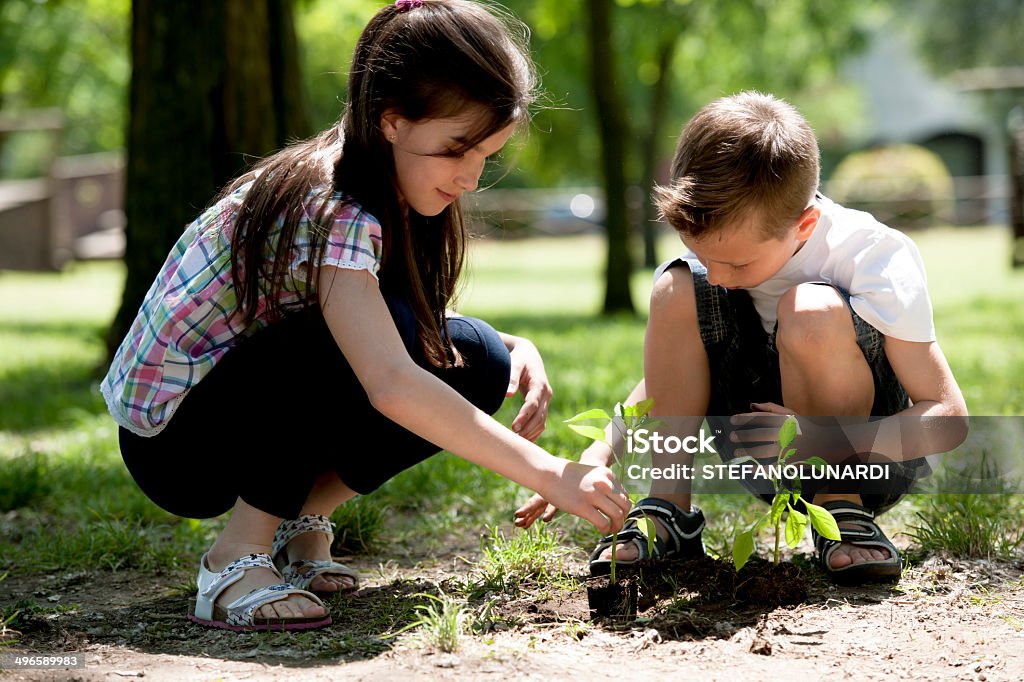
(852,554)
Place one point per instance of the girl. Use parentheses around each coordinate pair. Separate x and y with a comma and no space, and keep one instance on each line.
(295,349)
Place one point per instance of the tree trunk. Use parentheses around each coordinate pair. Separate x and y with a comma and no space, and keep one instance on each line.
(213,84)
(613,130)
(652,144)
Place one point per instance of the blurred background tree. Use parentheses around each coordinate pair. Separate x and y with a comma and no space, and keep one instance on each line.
(213,84)
(71,56)
(662,60)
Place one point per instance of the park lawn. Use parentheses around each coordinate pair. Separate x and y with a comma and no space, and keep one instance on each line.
(62,472)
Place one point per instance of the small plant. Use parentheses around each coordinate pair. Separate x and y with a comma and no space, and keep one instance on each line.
(627,419)
(358,525)
(971,525)
(532,554)
(441,621)
(785,497)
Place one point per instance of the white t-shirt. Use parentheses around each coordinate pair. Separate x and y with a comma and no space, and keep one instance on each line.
(878,266)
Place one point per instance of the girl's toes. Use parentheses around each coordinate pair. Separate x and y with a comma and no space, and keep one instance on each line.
(324,584)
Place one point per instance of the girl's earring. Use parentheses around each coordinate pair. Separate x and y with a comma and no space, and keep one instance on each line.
(391,138)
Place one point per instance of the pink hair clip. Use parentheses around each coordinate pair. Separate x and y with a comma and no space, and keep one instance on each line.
(406,5)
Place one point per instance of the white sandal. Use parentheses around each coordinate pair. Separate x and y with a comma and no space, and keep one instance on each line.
(302,572)
(239,615)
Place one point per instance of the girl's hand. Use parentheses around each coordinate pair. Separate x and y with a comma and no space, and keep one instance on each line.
(529,378)
(535,508)
(591,493)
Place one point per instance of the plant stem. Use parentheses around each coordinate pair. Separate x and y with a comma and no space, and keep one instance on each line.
(777,525)
(611,575)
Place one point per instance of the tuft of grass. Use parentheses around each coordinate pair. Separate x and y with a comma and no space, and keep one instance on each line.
(110,543)
(536,553)
(972,525)
(440,622)
(359,525)
(23,481)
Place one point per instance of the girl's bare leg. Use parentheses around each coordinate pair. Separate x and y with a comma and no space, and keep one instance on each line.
(251,531)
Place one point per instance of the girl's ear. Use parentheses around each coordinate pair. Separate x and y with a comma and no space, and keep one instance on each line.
(390,121)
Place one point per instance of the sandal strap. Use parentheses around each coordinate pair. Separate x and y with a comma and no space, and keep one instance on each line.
(289,529)
(674,519)
(301,573)
(680,526)
(242,610)
(866,534)
(210,584)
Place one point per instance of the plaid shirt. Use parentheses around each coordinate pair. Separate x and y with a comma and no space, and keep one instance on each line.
(186,323)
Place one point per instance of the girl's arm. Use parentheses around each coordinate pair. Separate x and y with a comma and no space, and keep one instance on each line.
(409,395)
(597,454)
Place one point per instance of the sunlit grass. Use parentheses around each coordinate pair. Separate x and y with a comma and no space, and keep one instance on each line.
(59,461)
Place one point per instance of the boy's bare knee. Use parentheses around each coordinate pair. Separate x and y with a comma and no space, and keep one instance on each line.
(812,317)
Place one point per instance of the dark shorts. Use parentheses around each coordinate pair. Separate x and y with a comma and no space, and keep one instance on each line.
(744,364)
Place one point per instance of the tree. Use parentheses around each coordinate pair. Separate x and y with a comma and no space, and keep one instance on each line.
(661,60)
(982,40)
(611,117)
(212,83)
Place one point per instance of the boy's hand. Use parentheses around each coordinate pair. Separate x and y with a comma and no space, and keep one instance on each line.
(535,508)
(528,376)
(591,493)
(758,433)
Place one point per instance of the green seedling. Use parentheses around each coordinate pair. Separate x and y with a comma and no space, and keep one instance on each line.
(441,622)
(627,418)
(785,497)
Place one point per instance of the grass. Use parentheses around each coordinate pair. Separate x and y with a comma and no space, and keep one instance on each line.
(61,474)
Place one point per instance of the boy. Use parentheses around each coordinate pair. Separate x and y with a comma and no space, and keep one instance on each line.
(786,303)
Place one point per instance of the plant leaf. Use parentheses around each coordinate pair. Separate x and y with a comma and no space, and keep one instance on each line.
(643,407)
(815,462)
(646,527)
(795,525)
(596,413)
(787,433)
(778,506)
(591,432)
(785,457)
(823,521)
(742,548)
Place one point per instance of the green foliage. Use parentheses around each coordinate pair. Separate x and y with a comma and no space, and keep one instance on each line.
(22,481)
(70,55)
(536,553)
(966,33)
(790,47)
(627,419)
(785,497)
(359,525)
(902,185)
(978,526)
(441,622)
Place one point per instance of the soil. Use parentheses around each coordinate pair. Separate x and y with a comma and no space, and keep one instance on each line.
(947,619)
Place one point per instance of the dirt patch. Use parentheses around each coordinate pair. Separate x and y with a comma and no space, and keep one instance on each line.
(947,619)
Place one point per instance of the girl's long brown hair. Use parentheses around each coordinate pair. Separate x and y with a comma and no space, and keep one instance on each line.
(440,59)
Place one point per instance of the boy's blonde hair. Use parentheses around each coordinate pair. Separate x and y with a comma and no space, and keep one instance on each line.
(740,154)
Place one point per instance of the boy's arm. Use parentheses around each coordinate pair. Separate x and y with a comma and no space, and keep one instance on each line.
(936,422)
(923,371)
